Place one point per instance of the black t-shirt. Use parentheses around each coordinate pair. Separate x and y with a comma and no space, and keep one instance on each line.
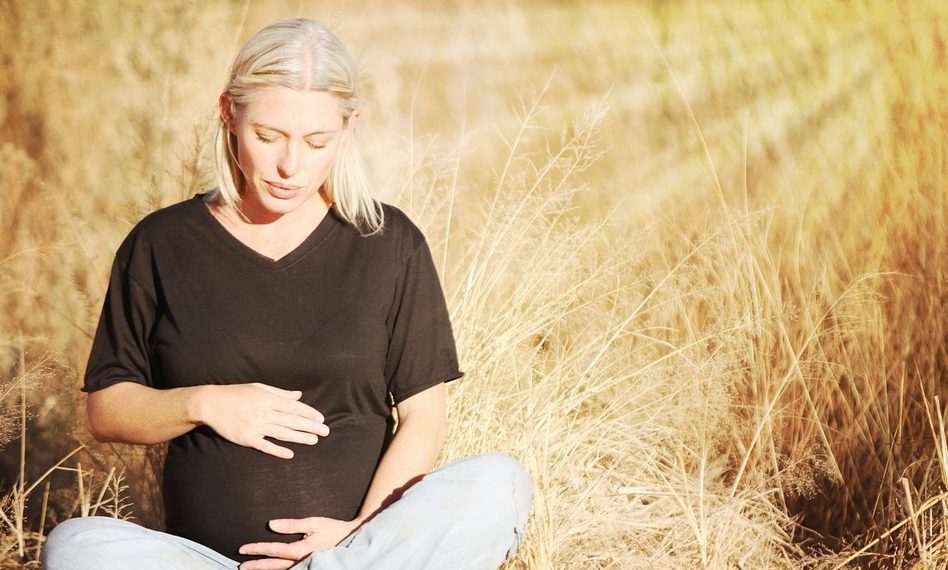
(355,322)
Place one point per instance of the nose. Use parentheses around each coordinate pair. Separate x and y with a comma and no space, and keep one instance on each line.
(288,163)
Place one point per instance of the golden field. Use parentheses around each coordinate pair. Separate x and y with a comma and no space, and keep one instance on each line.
(695,252)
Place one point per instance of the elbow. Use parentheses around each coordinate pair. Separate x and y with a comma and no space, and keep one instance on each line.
(95,427)
(97,420)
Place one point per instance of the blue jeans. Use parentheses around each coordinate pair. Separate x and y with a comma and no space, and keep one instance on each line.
(470,514)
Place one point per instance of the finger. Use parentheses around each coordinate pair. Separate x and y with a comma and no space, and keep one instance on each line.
(273,449)
(299,423)
(267,564)
(291,394)
(286,434)
(282,550)
(295,526)
(298,409)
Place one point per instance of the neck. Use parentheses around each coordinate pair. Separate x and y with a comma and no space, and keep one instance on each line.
(271,235)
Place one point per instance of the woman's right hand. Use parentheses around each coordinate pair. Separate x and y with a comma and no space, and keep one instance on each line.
(246,414)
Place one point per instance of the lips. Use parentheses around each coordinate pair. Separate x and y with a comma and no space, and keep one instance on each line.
(282,191)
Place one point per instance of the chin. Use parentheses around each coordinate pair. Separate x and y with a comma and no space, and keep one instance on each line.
(278,206)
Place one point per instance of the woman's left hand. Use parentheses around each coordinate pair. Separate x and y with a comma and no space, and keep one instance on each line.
(318,533)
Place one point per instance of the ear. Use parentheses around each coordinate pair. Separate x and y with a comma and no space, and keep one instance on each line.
(226,104)
(351,123)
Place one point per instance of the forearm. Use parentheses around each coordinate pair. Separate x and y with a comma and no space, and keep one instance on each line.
(410,455)
(132,413)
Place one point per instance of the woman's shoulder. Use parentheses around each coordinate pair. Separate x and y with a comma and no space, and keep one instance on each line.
(399,227)
(399,235)
(161,225)
(171,217)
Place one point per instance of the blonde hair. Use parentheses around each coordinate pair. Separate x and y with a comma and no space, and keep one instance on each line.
(300,54)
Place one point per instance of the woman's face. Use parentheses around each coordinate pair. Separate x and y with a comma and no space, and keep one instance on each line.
(287,141)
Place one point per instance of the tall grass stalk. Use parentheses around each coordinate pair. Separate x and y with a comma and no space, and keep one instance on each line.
(21,540)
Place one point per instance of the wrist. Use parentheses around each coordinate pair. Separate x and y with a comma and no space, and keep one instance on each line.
(195,406)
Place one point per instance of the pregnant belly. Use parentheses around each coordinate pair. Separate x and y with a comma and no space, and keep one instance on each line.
(223,495)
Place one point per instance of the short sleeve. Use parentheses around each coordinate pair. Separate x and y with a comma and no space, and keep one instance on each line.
(120,348)
(421,350)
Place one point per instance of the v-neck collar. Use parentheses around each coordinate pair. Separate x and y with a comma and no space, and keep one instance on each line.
(329,222)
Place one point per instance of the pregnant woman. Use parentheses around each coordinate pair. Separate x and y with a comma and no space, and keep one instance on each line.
(270,329)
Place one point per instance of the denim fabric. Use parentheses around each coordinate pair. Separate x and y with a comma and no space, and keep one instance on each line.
(469,515)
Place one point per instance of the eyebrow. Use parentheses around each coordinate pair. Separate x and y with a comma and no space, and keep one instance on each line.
(274,129)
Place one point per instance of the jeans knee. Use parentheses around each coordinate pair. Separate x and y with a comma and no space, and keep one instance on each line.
(497,476)
(69,542)
(505,490)
(501,470)
(62,542)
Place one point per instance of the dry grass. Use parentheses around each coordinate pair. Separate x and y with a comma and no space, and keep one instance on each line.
(697,273)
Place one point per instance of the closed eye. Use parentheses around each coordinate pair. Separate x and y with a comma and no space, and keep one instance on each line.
(267,140)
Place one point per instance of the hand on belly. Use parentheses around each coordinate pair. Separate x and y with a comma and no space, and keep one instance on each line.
(247,414)
(318,533)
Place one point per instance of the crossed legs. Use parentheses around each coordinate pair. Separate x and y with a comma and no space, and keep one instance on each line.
(468,515)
